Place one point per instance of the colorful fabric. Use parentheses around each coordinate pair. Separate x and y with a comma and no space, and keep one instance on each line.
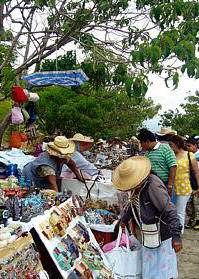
(162,158)
(62,78)
(159,263)
(182,180)
(44,171)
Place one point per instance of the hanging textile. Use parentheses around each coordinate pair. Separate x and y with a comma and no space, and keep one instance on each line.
(61,78)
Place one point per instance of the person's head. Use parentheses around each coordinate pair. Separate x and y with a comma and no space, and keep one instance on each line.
(131,173)
(191,145)
(61,148)
(82,143)
(176,143)
(147,139)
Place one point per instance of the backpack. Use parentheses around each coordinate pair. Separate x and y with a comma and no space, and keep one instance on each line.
(18,94)
(17,117)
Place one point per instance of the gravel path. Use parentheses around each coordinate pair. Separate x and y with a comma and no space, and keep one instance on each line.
(188,258)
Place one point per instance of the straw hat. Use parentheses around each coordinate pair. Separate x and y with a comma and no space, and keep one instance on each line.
(166,131)
(80,137)
(131,172)
(100,141)
(61,147)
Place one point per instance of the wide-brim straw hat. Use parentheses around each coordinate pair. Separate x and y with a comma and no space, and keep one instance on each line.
(131,173)
(61,147)
(80,137)
(166,131)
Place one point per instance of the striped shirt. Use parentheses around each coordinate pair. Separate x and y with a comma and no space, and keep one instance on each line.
(162,158)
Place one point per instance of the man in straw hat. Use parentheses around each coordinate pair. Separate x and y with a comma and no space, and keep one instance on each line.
(87,169)
(150,207)
(45,169)
(161,156)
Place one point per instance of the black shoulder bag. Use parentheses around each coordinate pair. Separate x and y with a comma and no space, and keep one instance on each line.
(192,177)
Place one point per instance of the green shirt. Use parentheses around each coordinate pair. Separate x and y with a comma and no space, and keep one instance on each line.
(162,158)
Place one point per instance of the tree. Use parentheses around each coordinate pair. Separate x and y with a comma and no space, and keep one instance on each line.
(186,122)
(153,36)
(94,115)
(150,36)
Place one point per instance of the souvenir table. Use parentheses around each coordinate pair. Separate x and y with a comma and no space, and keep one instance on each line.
(71,244)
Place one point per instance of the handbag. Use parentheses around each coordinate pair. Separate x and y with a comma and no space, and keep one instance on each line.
(124,262)
(18,94)
(192,177)
(17,116)
(150,233)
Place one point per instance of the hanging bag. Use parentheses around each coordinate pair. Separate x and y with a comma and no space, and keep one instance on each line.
(124,262)
(25,114)
(192,177)
(17,117)
(18,94)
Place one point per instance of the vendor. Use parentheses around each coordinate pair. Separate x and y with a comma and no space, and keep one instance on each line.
(87,169)
(46,169)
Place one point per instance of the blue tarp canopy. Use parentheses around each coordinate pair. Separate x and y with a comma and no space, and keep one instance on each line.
(61,78)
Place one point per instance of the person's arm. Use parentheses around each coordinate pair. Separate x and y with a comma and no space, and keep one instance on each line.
(52,181)
(71,164)
(171,178)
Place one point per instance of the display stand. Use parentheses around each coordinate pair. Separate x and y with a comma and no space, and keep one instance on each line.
(55,241)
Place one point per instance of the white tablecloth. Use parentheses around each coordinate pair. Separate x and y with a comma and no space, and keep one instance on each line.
(101,190)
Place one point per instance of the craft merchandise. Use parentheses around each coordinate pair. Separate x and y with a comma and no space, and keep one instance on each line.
(9,234)
(20,260)
(18,94)
(99,216)
(17,116)
(47,230)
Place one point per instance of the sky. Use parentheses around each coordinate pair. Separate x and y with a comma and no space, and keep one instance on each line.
(168,98)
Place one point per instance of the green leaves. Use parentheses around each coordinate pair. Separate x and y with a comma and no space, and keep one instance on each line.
(175,80)
(7,80)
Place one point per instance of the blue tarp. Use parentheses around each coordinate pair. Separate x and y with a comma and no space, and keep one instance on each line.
(61,78)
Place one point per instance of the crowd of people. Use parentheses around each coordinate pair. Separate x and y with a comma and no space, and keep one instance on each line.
(155,171)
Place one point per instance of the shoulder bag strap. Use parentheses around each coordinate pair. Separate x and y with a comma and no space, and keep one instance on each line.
(190,164)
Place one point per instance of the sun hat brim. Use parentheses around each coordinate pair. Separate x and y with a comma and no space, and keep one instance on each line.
(87,140)
(141,168)
(61,152)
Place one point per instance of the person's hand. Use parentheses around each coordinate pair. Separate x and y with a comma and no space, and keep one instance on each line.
(80,178)
(177,245)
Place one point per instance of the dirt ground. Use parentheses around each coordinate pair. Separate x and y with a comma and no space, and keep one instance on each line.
(188,258)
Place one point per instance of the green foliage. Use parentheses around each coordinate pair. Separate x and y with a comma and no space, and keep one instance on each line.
(7,80)
(179,25)
(93,115)
(63,62)
(186,121)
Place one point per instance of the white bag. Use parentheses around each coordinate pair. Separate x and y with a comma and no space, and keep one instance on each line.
(31,96)
(124,262)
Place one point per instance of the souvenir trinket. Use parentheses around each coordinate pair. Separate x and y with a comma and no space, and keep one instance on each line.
(47,230)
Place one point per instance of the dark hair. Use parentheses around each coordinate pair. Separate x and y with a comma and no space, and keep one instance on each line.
(178,140)
(191,141)
(145,135)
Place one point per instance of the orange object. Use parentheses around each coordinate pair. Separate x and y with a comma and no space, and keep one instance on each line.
(24,137)
(15,140)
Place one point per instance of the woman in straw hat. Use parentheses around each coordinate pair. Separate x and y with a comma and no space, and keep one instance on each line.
(45,170)
(151,209)
(82,144)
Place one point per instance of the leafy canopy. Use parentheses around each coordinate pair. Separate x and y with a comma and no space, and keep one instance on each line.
(186,121)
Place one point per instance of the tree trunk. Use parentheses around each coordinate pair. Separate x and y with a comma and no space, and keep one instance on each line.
(4,125)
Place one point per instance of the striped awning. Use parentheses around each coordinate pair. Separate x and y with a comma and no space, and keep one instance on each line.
(61,78)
